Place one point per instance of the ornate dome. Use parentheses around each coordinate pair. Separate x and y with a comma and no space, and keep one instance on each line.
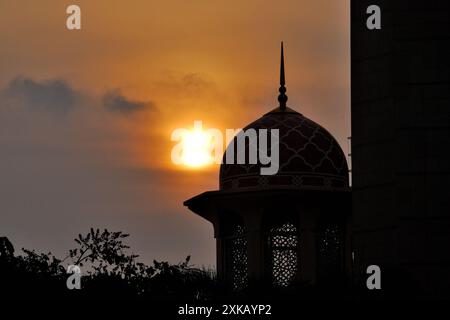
(309,156)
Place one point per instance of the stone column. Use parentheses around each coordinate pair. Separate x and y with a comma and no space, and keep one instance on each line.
(308,248)
(255,246)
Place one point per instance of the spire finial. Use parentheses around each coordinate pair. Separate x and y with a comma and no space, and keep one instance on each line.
(282,98)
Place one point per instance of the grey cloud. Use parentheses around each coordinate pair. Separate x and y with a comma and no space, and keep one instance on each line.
(114,101)
(195,80)
(54,95)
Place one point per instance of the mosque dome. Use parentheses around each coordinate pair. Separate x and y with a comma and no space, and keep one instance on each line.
(309,156)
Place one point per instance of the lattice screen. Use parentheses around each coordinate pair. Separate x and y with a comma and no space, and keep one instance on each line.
(283,243)
(238,258)
(330,249)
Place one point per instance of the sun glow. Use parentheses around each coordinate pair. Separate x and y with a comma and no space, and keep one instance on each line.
(196,148)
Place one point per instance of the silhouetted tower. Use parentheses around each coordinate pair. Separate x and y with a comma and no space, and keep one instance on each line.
(400,144)
(288,227)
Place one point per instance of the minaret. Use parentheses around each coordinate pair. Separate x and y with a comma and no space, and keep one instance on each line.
(283,229)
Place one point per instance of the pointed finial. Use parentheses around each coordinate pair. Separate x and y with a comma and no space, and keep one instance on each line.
(282,98)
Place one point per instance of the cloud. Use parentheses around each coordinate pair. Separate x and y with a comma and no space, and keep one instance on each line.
(196,81)
(177,84)
(114,101)
(54,95)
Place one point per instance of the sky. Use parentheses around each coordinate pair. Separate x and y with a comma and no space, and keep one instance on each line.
(86,115)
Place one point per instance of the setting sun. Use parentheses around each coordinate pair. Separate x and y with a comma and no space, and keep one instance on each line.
(196,146)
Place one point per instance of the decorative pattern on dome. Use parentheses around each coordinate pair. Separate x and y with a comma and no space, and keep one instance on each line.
(309,157)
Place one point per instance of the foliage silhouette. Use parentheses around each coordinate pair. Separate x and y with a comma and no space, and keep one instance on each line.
(108,271)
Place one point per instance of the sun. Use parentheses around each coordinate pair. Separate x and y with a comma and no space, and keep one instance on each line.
(196,148)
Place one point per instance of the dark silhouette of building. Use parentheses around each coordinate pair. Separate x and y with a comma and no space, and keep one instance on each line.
(400,144)
(286,228)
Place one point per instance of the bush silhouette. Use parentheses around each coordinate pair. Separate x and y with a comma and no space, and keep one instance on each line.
(108,271)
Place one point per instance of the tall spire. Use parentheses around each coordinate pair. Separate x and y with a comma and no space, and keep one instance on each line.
(282,98)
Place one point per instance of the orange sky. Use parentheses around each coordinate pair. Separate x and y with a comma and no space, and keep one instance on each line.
(177,61)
